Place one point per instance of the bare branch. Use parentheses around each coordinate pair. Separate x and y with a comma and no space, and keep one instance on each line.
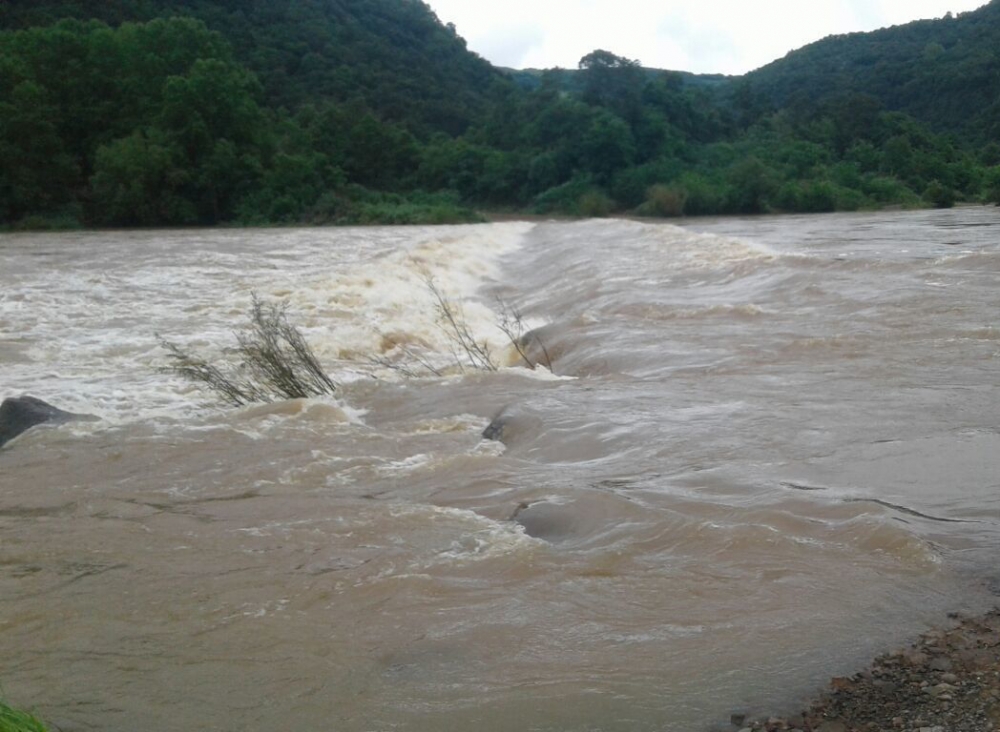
(511,322)
(276,362)
(452,321)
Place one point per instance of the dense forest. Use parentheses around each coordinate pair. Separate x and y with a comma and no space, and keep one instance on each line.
(201,112)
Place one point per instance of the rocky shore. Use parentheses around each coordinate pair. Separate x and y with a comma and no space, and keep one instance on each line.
(948,681)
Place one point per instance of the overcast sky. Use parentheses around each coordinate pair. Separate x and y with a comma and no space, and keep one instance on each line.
(704,36)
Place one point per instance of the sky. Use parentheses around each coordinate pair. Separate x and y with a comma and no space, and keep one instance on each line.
(703,36)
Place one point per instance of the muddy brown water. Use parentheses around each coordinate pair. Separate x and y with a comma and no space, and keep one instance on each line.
(769,449)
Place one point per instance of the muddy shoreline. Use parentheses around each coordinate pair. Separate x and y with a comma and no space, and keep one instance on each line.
(946,681)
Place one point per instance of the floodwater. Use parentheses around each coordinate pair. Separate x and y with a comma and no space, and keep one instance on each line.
(767,448)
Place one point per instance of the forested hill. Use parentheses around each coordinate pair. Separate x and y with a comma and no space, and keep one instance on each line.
(205,112)
(570,80)
(944,72)
(392,56)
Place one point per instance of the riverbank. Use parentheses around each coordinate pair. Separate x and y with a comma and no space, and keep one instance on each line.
(947,681)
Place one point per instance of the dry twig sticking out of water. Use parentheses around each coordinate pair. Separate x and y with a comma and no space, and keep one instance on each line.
(276,362)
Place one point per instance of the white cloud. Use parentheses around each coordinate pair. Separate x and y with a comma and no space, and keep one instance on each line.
(705,36)
(510,45)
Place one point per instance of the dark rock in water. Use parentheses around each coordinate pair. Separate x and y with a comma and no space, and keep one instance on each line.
(494,430)
(511,423)
(18,414)
(547,521)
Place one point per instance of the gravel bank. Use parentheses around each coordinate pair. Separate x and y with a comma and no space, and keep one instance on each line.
(948,681)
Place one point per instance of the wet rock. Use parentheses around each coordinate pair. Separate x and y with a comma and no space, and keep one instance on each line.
(832,725)
(914,658)
(544,520)
(940,663)
(737,719)
(510,425)
(494,430)
(796,721)
(939,690)
(19,414)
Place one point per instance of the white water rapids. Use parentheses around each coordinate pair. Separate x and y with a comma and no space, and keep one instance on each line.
(768,449)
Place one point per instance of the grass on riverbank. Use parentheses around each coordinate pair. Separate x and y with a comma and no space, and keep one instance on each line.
(13,720)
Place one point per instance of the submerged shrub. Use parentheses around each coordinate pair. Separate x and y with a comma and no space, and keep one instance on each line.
(275,362)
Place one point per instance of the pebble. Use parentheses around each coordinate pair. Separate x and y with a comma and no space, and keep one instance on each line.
(940,663)
(832,725)
(939,690)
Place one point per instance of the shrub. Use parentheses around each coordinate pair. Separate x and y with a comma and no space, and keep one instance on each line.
(61,221)
(664,201)
(789,197)
(564,198)
(13,720)
(595,204)
(849,199)
(991,183)
(703,196)
(939,195)
(631,186)
(882,189)
(817,197)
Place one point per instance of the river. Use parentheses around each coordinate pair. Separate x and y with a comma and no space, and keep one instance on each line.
(767,448)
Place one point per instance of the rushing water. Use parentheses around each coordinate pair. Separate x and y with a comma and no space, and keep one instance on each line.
(769,449)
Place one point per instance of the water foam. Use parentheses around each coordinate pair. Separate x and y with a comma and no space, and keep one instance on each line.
(87,322)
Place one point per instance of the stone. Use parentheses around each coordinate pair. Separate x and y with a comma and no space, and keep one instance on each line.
(544,520)
(940,690)
(940,663)
(737,719)
(832,725)
(19,414)
(512,424)
(796,721)
(842,683)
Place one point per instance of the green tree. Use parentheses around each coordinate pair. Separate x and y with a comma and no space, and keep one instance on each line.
(752,184)
(139,181)
(613,82)
(37,174)
(607,146)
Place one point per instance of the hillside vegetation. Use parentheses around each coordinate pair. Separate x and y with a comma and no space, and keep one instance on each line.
(202,112)
(943,72)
